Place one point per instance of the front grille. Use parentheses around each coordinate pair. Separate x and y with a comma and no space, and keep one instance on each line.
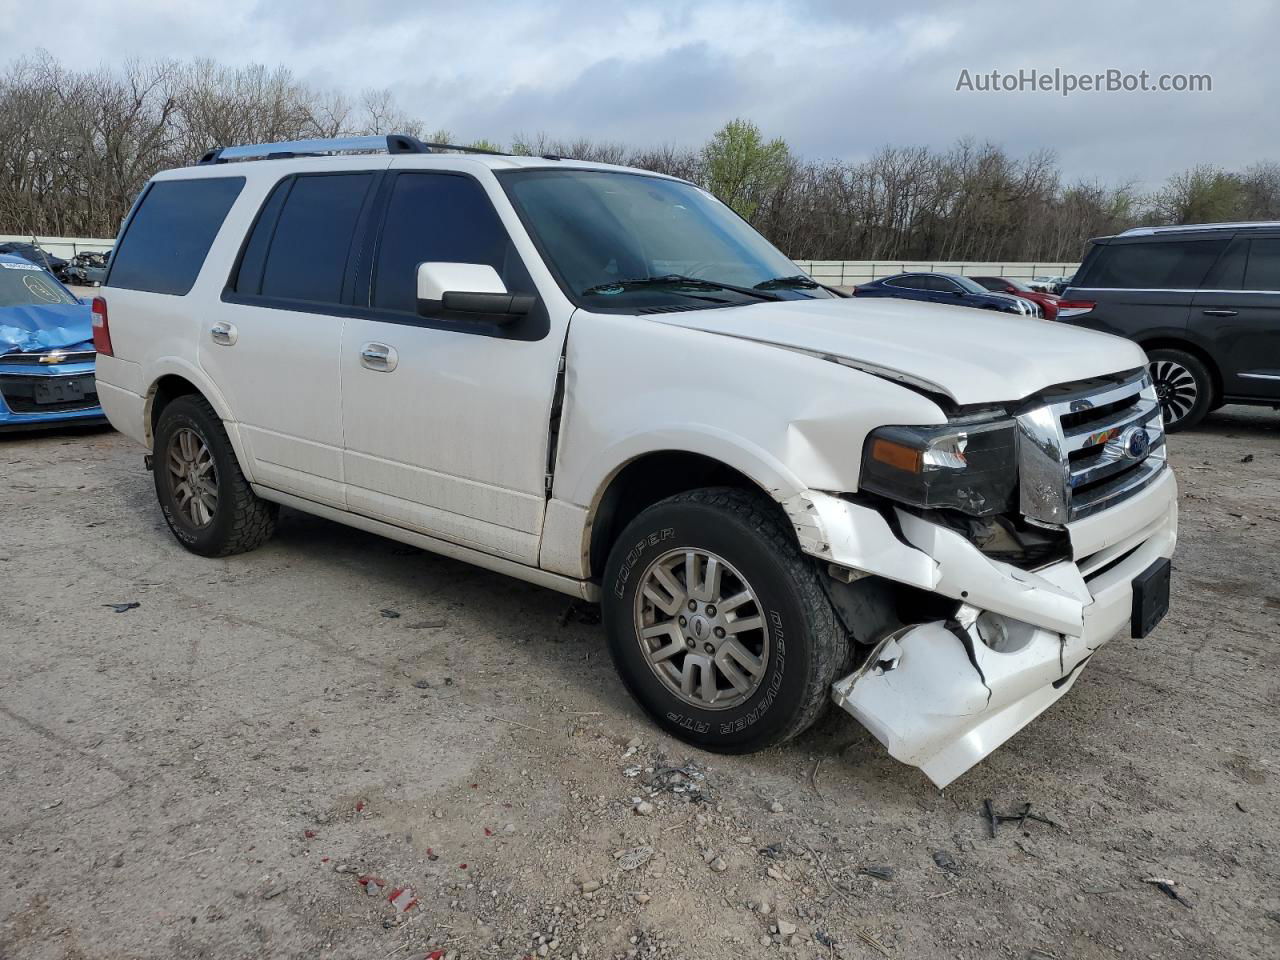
(1090,448)
(1078,420)
(23,394)
(47,357)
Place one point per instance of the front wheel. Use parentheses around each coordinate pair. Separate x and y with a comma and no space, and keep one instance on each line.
(205,497)
(1183,386)
(718,624)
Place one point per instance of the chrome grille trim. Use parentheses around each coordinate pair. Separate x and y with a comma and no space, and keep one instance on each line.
(1113,491)
(1141,413)
(1100,466)
(1067,473)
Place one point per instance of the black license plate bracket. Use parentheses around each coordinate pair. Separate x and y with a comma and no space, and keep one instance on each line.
(1151,597)
(60,390)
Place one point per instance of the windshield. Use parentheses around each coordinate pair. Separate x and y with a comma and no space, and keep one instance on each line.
(598,229)
(1020,285)
(25,284)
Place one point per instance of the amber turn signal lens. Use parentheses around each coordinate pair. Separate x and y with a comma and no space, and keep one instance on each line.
(897,455)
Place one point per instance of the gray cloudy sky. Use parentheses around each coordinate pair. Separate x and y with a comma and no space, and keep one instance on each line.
(836,79)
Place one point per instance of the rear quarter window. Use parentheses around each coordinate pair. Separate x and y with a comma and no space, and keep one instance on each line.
(168,237)
(1150,265)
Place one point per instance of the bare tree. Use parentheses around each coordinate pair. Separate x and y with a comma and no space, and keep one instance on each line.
(76,146)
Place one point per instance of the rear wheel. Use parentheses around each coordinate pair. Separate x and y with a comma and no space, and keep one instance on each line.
(718,624)
(206,500)
(1183,386)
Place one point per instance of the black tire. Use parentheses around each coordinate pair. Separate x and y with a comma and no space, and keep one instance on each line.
(807,646)
(1184,386)
(240,520)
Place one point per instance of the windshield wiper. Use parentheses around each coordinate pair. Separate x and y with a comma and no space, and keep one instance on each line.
(678,280)
(796,281)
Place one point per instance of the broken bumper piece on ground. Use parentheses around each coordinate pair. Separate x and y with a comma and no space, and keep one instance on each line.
(942,695)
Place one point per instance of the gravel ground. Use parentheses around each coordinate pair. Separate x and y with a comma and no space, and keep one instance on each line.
(255,761)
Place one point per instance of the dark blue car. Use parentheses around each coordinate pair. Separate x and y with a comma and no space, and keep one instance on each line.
(945,288)
(46,351)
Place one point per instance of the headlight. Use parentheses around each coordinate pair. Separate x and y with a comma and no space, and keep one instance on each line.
(971,467)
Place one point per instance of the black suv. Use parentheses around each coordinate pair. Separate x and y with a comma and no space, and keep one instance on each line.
(1202,300)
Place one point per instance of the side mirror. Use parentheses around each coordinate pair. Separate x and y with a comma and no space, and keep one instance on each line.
(468,291)
(959,293)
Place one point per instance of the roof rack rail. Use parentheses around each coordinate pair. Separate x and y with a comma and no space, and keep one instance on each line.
(1191,227)
(391,143)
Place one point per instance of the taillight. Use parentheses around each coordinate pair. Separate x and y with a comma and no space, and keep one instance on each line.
(1074,308)
(101,329)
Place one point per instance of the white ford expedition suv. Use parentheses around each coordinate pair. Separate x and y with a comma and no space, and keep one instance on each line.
(601,380)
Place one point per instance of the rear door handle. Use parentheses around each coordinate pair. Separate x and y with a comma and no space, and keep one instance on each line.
(1220,313)
(224,334)
(378,357)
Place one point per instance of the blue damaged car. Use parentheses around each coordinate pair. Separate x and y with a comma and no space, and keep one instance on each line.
(46,351)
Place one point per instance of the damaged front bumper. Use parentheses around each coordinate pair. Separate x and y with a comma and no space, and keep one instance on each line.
(942,695)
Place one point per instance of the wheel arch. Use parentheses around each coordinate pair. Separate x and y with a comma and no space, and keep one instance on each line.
(173,380)
(649,478)
(163,392)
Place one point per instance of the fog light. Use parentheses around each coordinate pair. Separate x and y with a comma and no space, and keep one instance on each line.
(1002,634)
(992,630)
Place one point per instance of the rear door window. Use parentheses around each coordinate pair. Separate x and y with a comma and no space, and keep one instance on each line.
(1152,265)
(908,283)
(1228,272)
(940,285)
(168,237)
(302,253)
(1263,272)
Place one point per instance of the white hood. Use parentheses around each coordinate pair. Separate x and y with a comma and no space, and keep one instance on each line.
(971,355)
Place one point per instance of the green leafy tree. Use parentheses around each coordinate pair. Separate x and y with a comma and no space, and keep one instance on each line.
(742,168)
(1203,194)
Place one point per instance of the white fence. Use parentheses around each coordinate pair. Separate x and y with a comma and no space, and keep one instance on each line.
(837,273)
(849,273)
(65,247)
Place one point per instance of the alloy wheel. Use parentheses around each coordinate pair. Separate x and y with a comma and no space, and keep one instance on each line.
(1176,389)
(702,629)
(193,477)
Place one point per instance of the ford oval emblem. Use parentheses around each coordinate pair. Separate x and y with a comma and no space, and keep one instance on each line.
(1136,443)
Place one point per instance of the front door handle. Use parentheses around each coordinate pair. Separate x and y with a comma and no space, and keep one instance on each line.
(1220,313)
(224,334)
(378,357)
